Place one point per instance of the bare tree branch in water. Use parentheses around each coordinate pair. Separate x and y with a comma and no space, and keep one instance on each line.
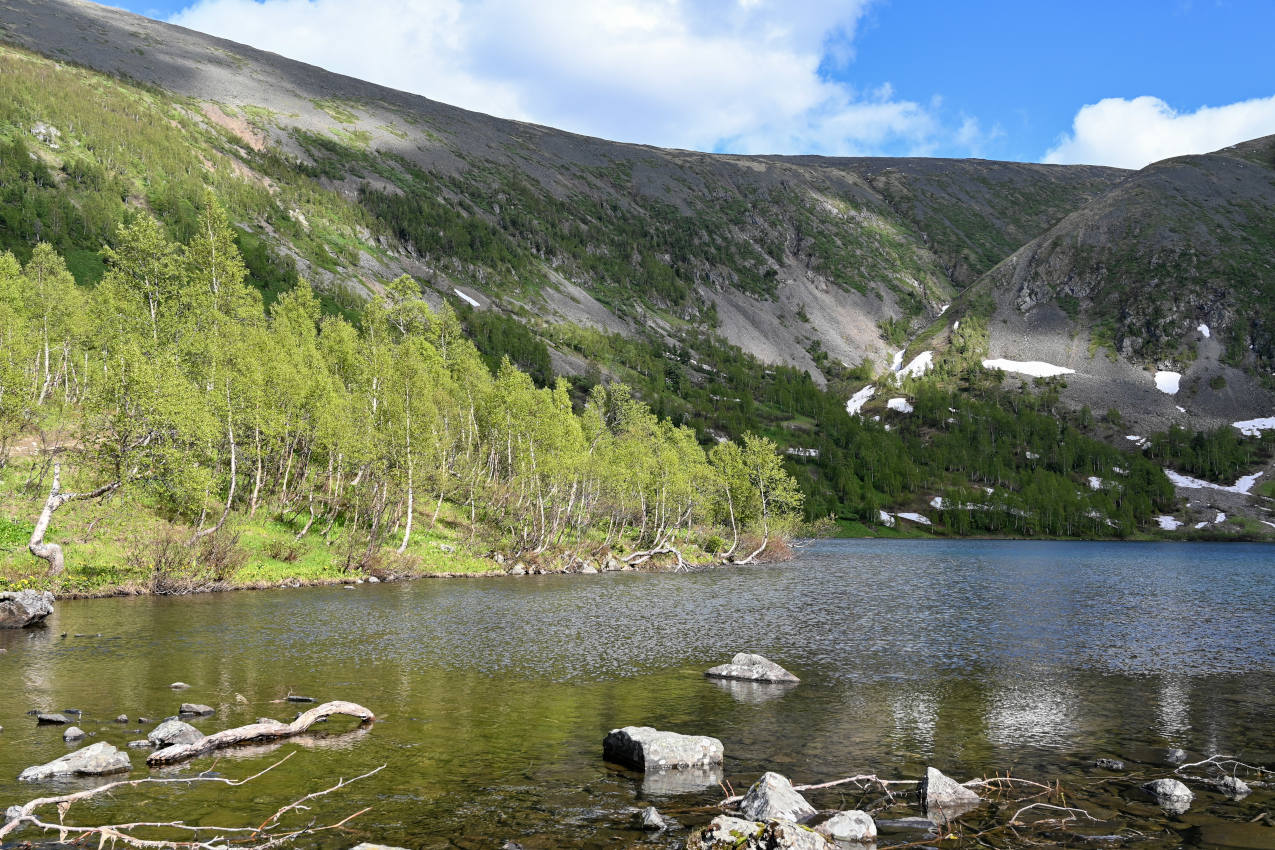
(260,837)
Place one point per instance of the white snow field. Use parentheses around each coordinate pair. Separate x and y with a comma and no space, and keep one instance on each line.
(899,404)
(1168,523)
(1244,486)
(1255,427)
(1035,368)
(859,399)
(920,364)
(470,301)
(1168,382)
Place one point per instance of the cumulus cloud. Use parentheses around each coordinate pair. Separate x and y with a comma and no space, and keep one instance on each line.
(731,75)
(1134,133)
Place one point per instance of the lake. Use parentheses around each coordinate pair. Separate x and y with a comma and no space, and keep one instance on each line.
(493,695)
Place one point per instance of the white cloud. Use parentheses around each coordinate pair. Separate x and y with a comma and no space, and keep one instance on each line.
(1134,133)
(734,75)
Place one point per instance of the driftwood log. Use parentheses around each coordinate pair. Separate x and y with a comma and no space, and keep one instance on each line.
(264,731)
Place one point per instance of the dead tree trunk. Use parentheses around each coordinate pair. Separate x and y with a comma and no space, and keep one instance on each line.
(52,552)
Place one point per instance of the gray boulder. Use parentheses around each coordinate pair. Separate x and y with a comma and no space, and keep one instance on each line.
(772,797)
(194,709)
(1170,794)
(588,569)
(943,795)
(174,732)
(123,718)
(23,608)
(649,749)
(367,845)
(751,668)
(650,819)
(74,733)
(1234,787)
(51,719)
(179,686)
(141,744)
(1174,755)
(94,760)
(728,833)
(853,825)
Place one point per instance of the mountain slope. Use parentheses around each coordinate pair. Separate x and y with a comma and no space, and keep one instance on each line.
(786,257)
(1171,270)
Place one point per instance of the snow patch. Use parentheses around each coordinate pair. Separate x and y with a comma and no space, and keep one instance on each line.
(1200,525)
(1255,427)
(1264,522)
(859,399)
(1035,368)
(920,364)
(1140,442)
(1095,483)
(957,326)
(1204,330)
(899,404)
(1168,523)
(914,517)
(897,361)
(1168,382)
(1180,408)
(1220,518)
(1032,456)
(1244,486)
(470,301)
(937,503)
(886,519)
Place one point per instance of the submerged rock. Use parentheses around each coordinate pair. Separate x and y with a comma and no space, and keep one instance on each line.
(684,780)
(1109,764)
(650,749)
(773,797)
(367,845)
(650,819)
(94,760)
(1175,755)
(174,732)
(853,825)
(752,668)
(1170,794)
(1234,787)
(24,608)
(194,709)
(943,795)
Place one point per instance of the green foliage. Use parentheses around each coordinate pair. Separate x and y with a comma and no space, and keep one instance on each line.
(1221,455)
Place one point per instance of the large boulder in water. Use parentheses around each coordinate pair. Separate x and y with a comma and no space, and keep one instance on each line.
(853,825)
(773,797)
(172,732)
(942,795)
(94,760)
(1171,795)
(751,668)
(23,608)
(650,749)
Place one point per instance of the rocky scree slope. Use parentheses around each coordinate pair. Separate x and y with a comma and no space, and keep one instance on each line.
(787,257)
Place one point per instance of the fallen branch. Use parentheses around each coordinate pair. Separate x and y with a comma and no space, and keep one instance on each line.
(1070,812)
(64,801)
(269,731)
(864,780)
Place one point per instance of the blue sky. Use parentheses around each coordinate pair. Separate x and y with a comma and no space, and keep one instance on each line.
(1120,82)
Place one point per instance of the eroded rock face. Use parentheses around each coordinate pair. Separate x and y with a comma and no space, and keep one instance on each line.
(24,608)
(97,759)
(649,749)
(853,825)
(943,795)
(1170,794)
(772,797)
(174,732)
(751,668)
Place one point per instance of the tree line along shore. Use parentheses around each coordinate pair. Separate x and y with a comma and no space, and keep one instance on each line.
(165,431)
